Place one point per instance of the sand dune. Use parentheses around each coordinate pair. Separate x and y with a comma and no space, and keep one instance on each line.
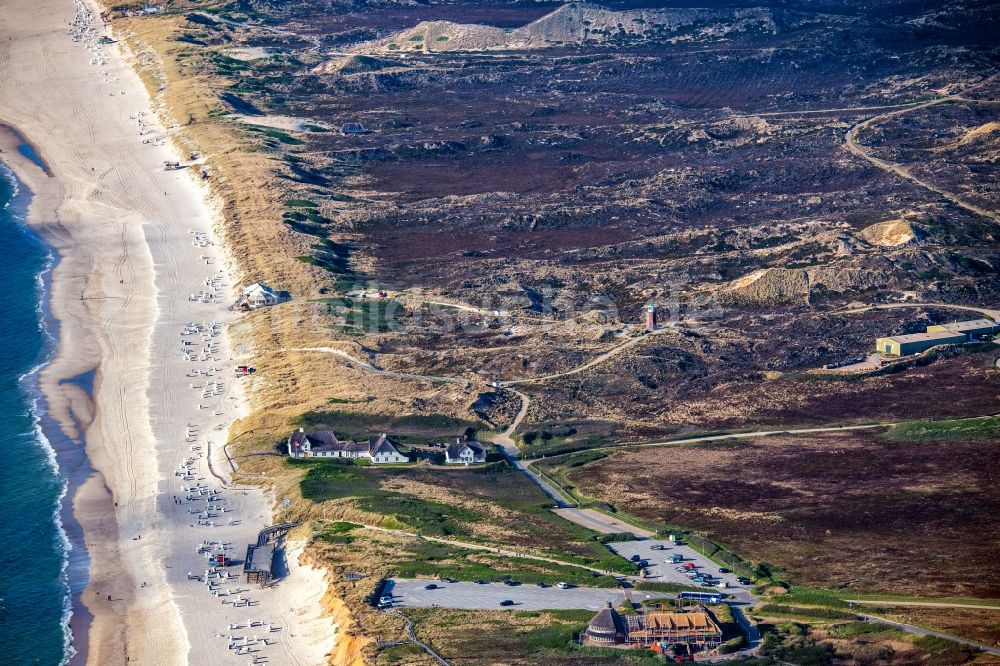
(576,23)
(135,241)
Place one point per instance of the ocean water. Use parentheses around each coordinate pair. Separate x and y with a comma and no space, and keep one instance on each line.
(34,592)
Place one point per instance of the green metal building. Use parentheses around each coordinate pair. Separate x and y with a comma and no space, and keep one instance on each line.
(973,330)
(905,345)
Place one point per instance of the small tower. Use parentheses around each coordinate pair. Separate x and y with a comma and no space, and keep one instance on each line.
(651,317)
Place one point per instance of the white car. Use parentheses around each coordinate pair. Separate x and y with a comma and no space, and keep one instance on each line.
(563,586)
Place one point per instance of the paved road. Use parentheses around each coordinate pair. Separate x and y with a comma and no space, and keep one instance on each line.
(663,570)
(411,593)
(909,628)
(505,441)
(923,604)
(600,522)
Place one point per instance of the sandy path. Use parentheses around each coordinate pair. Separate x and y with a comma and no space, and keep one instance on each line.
(125,231)
(851,143)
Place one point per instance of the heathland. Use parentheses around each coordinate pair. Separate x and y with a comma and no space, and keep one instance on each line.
(461,196)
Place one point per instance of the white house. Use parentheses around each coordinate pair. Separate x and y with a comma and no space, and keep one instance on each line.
(464,452)
(259,295)
(381,450)
(324,444)
(321,444)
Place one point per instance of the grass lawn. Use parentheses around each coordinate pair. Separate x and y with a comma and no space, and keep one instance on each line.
(963,429)
(472,638)
(424,559)
(492,505)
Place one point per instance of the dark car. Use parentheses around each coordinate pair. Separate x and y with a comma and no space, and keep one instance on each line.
(430,586)
(506,602)
(448,580)
(636,558)
(723,570)
(479,581)
(510,583)
(542,584)
(742,580)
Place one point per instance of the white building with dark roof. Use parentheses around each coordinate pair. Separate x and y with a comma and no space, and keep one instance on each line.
(325,444)
(259,295)
(322,444)
(381,450)
(464,452)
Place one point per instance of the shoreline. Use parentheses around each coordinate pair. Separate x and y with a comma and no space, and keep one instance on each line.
(118,299)
(66,457)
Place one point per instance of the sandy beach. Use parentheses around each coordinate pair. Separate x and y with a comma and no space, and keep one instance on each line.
(141,294)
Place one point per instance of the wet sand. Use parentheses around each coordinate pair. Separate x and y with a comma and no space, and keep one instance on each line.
(134,242)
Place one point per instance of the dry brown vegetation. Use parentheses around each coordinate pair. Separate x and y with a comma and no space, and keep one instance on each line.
(853,511)
(621,175)
(975,624)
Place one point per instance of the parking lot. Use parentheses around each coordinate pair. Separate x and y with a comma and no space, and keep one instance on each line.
(663,570)
(527,596)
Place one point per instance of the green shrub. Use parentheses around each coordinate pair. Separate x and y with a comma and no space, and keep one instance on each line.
(806,611)
(943,652)
(958,429)
(660,586)
(855,629)
(812,597)
(732,645)
(616,537)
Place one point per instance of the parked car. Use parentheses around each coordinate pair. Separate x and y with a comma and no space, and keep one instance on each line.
(506,602)
(563,586)
(385,599)
(509,582)
(448,580)
(723,570)
(430,586)
(479,581)
(743,580)
(636,558)
(542,584)
(657,546)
